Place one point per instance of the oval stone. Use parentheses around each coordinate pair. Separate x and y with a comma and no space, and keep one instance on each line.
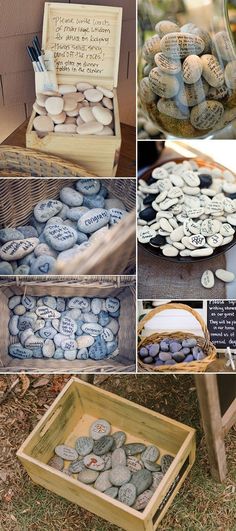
(112,304)
(127,494)
(13,325)
(93,220)
(192,69)
(17,351)
(142,480)
(45,312)
(162,84)
(66,452)
(48,348)
(77,466)
(212,70)
(103,483)
(88,186)
(99,428)
(16,249)
(56,462)
(118,457)
(46,209)
(119,438)
(134,448)
(84,341)
(134,464)
(68,344)
(119,476)
(166,461)
(92,329)
(206,114)
(112,492)
(103,445)
(151,453)
(142,500)
(94,462)
(84,445)
(14,301)
(180,45)
(99,349)
(79,302)
(88,476)
(67,326)
(60,237)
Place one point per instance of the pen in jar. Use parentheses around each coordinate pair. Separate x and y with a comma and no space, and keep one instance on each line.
(36,65)
(38,51)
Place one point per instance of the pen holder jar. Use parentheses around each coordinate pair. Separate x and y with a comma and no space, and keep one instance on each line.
(188,70)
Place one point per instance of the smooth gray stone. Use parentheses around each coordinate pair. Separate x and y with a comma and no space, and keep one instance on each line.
(134,464)
(112,492)
(56,324)
(118,458)
(134,448)
(37,352)
(157,478)
(17,351)
(50,302)
(90,317)
(111,346)
(71,197)
(47,332)
(22,270)
(87,476)
(28,302)
(119,439)
(151,453)
(74,314)
(28,260)
(98,350)
(60,237)
(61,304)
(14,301)
(43,265)
(83,354)
(104,318)
(81,237)
(25,322)
(19,310)
(103,445)
(70,253)
(79,302)
(119,476)
(56,462)
(75,213)
(88,186)
(47,313)
(153,350)
(92,329)
(93,220)
(6,268)
(149,465)
(63,212)
(189,358)
(67,326)
(189,343)
(94,462)
(28,231)
(58,354)
(165,356)
(166,461)
(46,209)
(112,304)
(175,347)
(77,466)
(79,331)
(70,355)
(179,356)
(9,234)
(49,348)
(23,336)
(68,344)
(96,305)
(103,483)
(13,325)
(142,500)
(66,452)
(142,480)
(107,459)
(164,346)
(99,428)
(127,494)
(58,338)
(107,335)
(84,445)
(94,201)
(33,341)
(116,215)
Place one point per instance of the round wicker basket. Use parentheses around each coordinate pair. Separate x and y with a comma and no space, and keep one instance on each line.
(203,342)
(21,162)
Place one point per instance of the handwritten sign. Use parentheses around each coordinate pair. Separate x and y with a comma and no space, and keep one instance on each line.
(82,44)
(221,322)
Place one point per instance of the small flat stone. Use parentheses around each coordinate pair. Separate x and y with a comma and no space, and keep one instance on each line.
(112,492)
(77,466)
(208,279)
(13,325)
(119,476)
(43,265)
(48,348)
(88,476)
(9,234)
(151,453)
(84,341)
(179,45)
(14,301)
(33,341)
(70,355)
(17,249)
(119,438)
(17,351)
(67,326)
(46,209)
(19,310)
(93,95)
(94,462)
(142,500)
(149,465)
(103,445)
(88,186)
(28,302)
(157,478)
(92,329)
(99,428)
(68,344)
(44,312)
(166,461)
(80,303)
(103,482)
(134,464)
(127,494)
(93,220)
(56,462)
(224,275)
(189,343)
(142,480)
(84,445)
(134,448)
(118,457)
(66,452)
(60,237)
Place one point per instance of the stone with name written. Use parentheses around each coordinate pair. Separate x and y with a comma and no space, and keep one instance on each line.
(99,428)
(157,478)
(16,249)
(88,186)
(103,445)
(33,341)
(112,304)
(44,312)
(134,464)
(25,322)
(116,214)
(68,344)
(112,492)
(67,326)
(77,466)
(17,351)
(107,334)
(127,494)
(92,329)
(142,500)
(180,45)
(60,237)
(151,453)
(28,302)
(46,209)
(93,220)
(66,452)
(82,303)
(56,462)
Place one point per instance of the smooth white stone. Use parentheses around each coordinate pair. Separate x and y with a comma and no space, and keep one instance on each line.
(66,89)
(170,250)
(93,95)
(86,114)
(205,251)
(208,279)
(224,275)
(90,128)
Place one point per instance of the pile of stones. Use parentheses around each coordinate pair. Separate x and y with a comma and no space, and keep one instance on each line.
(60,229)
(189,81)
(186,210)
(57,328)
(82,109)
(171,351)
(129,472)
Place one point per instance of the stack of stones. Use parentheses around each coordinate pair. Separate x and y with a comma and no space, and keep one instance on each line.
(60,229)
(171,351)
(189,81)
(82,109)
(186,210)
(57,328)
(103,460)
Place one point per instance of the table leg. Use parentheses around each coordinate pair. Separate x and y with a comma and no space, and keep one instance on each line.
(209,402)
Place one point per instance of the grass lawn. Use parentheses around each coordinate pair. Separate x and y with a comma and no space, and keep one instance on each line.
(201,505)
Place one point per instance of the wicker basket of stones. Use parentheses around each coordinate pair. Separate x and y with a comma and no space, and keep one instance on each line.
(174,351)
(67,227)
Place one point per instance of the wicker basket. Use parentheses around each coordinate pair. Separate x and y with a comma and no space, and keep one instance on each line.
(22,162)
(117,253)
(203,342)
(121,287)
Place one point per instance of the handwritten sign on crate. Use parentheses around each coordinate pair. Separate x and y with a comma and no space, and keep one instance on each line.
(221,323)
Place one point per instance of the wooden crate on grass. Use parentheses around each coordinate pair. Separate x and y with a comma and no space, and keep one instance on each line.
(70,416)
(121,287)
(72,43)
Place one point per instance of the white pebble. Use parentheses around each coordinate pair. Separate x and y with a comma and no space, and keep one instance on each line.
(208,279)
(170,250)
(224,275)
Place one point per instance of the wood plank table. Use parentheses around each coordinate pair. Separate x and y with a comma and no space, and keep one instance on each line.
(127,162)
(217,400)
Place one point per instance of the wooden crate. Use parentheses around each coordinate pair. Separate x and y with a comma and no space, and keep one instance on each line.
(70,416)
(121,287)
(117,254)
(99,155)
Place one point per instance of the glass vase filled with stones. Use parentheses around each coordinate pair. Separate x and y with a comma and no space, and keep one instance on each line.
(82,109)
(188,77)
(187,210)
(59,230)
(63,328)
(129,472)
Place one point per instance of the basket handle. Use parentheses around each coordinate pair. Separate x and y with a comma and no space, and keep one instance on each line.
(174,306)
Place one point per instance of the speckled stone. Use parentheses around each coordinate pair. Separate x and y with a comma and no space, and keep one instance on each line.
(119,476)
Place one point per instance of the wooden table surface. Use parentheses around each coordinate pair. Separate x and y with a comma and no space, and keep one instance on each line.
(127,162)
